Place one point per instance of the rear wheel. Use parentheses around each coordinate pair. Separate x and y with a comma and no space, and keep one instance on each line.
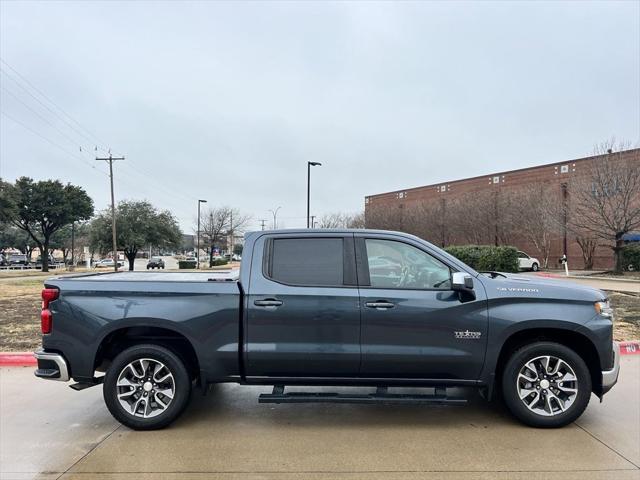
(147,387)
(546,384)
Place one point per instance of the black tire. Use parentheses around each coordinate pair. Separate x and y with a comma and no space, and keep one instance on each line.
(535,267)
(517,406)
(182,383)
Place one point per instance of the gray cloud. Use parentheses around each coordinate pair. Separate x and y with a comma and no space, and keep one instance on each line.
(227,101)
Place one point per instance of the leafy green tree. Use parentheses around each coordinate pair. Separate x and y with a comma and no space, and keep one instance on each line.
(138,225)
(42,208)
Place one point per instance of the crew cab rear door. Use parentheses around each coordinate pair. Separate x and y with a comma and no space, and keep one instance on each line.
(413,324)
(303,317)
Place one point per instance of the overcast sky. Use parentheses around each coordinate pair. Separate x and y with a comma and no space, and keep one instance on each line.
(228,101)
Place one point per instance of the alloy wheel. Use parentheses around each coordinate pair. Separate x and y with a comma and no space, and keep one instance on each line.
(145,388)
(547,385)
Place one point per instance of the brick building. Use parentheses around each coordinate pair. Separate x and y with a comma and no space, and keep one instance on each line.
(555,177)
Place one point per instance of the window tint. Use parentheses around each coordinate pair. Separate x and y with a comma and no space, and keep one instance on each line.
(399,265)
(307,261)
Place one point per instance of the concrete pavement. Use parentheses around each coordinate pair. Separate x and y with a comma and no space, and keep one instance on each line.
(49,431)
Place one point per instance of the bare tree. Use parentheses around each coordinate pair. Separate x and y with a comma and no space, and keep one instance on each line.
(218,225)
(383,216)
(537,216)
(588,246)
(342,220)
(606,201)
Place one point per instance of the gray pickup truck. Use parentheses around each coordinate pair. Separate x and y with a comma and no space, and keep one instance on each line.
(374,309)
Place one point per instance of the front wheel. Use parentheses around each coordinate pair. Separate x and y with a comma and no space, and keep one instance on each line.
(146,387)
(546,384)
(535,267)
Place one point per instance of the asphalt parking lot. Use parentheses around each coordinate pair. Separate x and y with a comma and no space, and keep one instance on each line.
(49,431)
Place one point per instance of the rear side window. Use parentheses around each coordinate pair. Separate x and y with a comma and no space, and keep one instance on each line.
(307,261)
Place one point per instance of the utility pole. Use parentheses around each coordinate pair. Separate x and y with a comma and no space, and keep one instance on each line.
(198,236)
(111,159)
(309,165)
(73,245)
(313,221)
(262,222)
(231,236)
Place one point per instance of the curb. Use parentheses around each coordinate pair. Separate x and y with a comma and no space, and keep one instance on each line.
(630,348)
(26,359)
(17,359)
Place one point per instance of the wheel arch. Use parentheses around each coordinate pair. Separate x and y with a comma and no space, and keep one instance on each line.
(578,342)
(122,338)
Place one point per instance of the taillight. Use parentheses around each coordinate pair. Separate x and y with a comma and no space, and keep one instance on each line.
(45,321)
(48,295)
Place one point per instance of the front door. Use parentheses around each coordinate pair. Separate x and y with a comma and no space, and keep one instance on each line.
(303,316)
(413,324)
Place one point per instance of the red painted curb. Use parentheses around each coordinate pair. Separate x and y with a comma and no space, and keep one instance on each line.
(630,348)
(17,359)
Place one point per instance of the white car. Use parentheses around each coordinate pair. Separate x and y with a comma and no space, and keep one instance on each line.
(525,262)
(106,263)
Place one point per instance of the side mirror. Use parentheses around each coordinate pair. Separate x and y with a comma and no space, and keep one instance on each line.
(463,282)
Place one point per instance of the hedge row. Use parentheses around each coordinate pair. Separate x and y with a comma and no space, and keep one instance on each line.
(487,257)
(186,264)
(631,257)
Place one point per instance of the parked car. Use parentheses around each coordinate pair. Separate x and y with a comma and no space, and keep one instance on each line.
(51,262)
(155,262)
(525,262)
(304,309)
(18,259)
(107,263)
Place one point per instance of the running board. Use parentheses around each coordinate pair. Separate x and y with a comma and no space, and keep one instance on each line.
(380,397)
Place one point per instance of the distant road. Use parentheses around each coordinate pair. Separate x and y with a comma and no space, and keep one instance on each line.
(596,282)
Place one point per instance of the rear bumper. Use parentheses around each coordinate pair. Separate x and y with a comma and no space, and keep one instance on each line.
(610,377)
(51,366)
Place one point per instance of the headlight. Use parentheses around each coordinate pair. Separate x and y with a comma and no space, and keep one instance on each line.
(604,309)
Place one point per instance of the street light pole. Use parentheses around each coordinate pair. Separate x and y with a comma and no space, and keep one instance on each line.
(198,236)
(275,215)
(309,165)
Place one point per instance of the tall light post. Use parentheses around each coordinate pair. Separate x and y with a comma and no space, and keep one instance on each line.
(309,165)
(275,216)
(198,236)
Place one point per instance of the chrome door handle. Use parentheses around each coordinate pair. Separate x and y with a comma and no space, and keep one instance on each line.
(380,304)
(268,302)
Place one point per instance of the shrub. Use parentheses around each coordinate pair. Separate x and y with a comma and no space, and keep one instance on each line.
(219,261)
(486,257)
(631,257)
(186,264)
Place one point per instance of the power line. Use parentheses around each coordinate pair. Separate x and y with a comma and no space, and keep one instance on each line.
(51,142)
(72,140)
(43,95)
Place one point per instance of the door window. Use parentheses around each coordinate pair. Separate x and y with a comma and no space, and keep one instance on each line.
(399,265)
(307,261)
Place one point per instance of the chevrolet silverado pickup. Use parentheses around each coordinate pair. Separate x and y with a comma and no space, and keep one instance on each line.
(372,309)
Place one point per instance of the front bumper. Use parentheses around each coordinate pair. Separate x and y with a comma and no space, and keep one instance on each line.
(610,377)
(51,366)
